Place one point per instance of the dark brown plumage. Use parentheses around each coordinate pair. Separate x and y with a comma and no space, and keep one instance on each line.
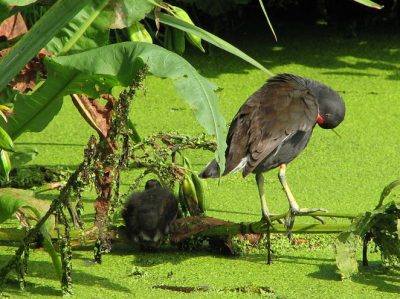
(272,128)
(148,214)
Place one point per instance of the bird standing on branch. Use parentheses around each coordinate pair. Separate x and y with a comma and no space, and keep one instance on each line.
(273,127)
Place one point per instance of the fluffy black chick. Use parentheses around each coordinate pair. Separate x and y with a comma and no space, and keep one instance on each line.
(148,214)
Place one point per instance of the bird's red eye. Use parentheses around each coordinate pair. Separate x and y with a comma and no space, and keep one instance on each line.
(328,115)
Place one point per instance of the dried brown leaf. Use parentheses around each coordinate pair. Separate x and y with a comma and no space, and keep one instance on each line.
(13,27)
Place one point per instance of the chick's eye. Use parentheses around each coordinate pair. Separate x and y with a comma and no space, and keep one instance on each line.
(328,115)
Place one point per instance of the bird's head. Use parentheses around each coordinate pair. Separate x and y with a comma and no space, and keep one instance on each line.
(152,184)
(331,107)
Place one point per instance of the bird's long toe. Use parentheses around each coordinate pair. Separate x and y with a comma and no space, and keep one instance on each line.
(266,216)
(307,210)
(320,219)
(293,211)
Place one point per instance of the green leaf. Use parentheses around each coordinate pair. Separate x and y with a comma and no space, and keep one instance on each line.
(3,11)
(183,15)
(6,141)
(369,3)
(386,191)
(5,164)
(18,2)
(37,37)
(138,33)
(207,36)
(32,114)
(7,96)
(123,13)
(346,250)
(9,205)
(386,234)
(47,243)
(134,134)
(266,16)
(22,155)
(13,199)
(83,32)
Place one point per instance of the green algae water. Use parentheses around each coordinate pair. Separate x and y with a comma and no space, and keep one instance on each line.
(343,174)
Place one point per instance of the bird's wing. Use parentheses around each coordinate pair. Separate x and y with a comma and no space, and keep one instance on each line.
(279,108)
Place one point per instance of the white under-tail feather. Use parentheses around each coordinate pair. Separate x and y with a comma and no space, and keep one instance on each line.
(241,164)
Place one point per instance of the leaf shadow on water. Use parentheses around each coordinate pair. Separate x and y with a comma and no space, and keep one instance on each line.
(12,289)
(45,270)
(372,275)
(157,256)
(376,275)
(82,278)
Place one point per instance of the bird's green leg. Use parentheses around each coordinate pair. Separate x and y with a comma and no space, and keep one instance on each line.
(294,207)
(264,209)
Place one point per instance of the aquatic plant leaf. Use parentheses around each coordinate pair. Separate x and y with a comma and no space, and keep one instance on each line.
(386,234)
(384,227)
(386,191)
(346,249)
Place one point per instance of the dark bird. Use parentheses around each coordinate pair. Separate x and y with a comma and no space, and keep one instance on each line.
(272,128)
(148,214)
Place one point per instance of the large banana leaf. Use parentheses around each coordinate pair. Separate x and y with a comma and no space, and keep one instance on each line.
(96,71)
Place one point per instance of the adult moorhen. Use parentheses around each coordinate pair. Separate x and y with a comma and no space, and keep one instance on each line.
(272,128)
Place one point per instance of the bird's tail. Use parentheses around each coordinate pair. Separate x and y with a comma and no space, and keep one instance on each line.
(211,171)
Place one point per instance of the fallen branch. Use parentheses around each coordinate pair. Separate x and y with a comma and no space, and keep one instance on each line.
(197,226)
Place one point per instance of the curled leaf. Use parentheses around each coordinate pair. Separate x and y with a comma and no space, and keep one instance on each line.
(5,164)
(6,141)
